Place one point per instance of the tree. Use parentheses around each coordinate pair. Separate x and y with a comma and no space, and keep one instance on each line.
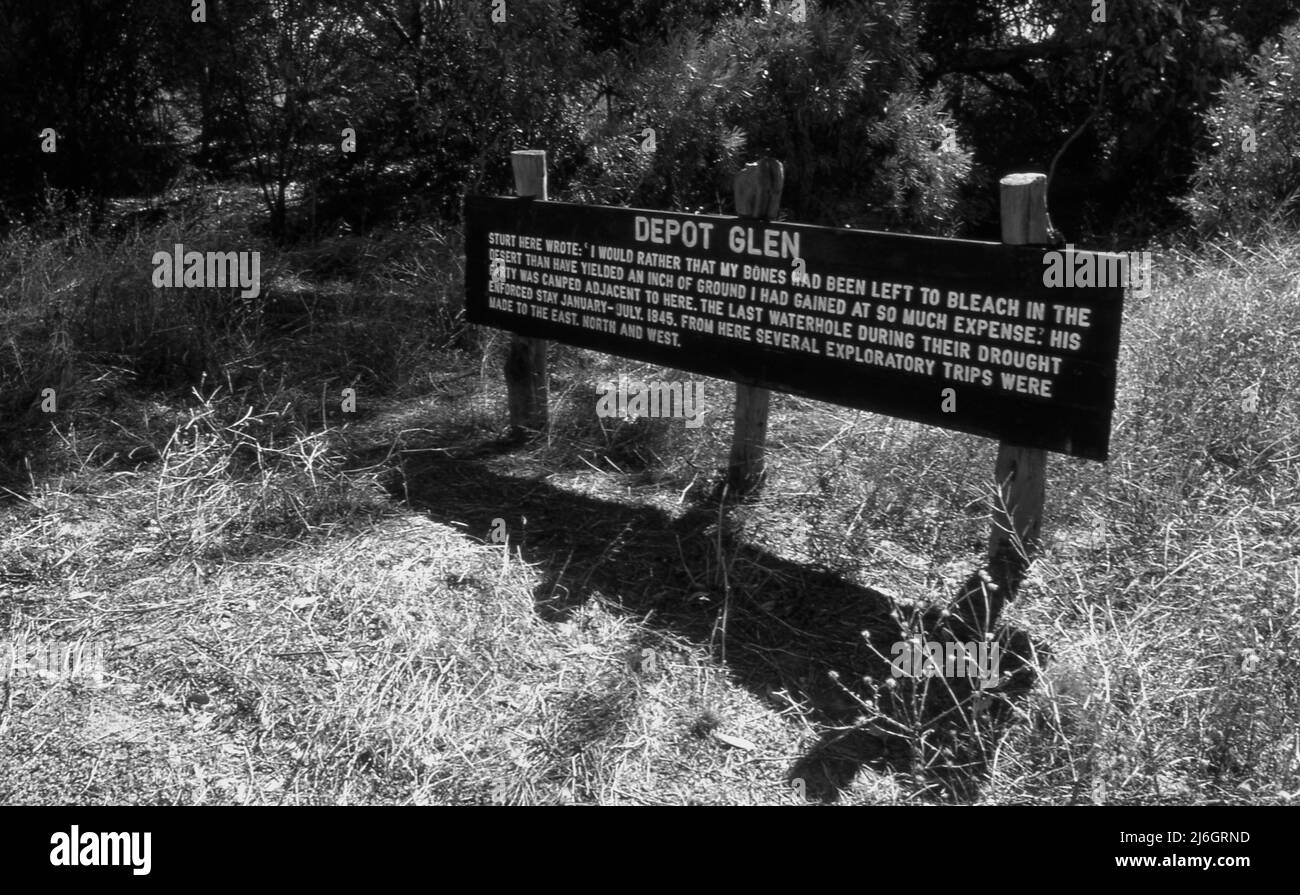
(835,97)
(280,81)
(90,72)
(1121,84)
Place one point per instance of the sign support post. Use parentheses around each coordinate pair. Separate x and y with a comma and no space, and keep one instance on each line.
(525,368)
(1020,472)
(757,189)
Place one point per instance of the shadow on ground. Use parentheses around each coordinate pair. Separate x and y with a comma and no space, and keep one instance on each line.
(778,625)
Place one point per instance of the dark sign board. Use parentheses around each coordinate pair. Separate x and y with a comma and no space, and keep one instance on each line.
(875,321)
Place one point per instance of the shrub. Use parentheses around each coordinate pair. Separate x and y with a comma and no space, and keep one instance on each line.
(835,99)
(1250,176)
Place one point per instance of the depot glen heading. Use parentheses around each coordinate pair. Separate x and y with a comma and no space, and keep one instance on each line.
(742,239)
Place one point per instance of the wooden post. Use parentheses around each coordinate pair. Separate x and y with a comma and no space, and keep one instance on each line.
(757,191)
(525,368)
(1021,472)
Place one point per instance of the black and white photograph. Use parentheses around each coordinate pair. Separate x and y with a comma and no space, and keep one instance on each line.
(678,403)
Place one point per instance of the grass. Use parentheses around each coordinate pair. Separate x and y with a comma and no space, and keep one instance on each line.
(301,605)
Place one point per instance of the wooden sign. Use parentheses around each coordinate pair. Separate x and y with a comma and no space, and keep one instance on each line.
(978,337)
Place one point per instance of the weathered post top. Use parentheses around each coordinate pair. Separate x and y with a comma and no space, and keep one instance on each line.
(530,173)
(757,189)
(1024,209)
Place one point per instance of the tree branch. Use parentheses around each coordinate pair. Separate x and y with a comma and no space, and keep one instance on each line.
(1007,59)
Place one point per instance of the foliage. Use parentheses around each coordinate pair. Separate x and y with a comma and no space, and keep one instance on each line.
(834,99)
(863,100)
(1249,176)
(452,92)
(1114,90)
(622,24)
(89,71)
(288,73)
